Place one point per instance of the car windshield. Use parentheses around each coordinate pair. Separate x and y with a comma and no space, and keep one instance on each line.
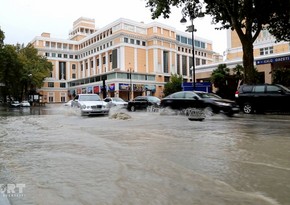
(285,88)
(89,98)
(153,99)
(208,95)
(118,100)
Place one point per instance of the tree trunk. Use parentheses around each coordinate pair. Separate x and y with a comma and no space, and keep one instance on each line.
(248,61)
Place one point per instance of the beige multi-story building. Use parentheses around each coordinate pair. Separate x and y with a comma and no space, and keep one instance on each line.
(125,58)
(268,55)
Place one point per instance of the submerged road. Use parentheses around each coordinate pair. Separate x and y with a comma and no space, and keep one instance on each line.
(65,159)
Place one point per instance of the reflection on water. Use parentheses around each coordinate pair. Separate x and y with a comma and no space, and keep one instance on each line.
(64,158)
(49,109)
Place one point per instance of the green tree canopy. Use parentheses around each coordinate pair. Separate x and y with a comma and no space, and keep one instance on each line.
(219,76)
(282,76)
(174,85)
(2,37)
(246,17)
(21,69)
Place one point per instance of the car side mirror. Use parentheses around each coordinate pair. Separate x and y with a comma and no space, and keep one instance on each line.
(195,97)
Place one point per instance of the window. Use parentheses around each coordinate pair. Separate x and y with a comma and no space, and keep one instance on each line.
(273,89)
(166,79)
(71,56)
(266,51)
(47,54)
(104,59)
(189,95)
(59,55)
(143,43)
(73,66)
(184,65)
(178,95)
(126,40)
(53,55)
(165,61)
(247,89)
(62,99)
(178,63)
(183,39)
(138,42)
(203,61)
(197,43)
(62,85)
(132,41)
(73,76)
(259,89)
(197,61)
(50,84)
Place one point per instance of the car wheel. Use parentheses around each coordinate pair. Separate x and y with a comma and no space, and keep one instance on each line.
(133,109)
(247,108)
(208,111)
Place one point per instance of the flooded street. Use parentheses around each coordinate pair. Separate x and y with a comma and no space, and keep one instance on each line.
(61,158)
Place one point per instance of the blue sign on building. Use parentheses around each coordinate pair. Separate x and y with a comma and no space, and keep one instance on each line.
(273,60)
(204,86)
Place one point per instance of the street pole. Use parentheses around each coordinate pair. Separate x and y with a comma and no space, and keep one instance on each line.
(130,84)
(193,52)
(192,30)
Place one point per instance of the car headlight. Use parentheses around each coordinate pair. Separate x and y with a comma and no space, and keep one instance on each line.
(223,104)
(106,106)
(83,106)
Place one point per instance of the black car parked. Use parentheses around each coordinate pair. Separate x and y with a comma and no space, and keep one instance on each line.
(262,98)
(142,102)
(201,100)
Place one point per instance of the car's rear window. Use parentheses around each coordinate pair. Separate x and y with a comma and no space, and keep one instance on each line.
(247,88)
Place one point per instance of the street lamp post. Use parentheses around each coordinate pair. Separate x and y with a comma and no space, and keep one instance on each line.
(130,87)
(192,30)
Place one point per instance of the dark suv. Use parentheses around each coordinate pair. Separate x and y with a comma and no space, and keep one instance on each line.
(261,98)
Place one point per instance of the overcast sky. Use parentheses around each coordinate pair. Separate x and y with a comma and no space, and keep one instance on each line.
(22,20)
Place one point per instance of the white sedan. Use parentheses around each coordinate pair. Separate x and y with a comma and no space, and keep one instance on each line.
(90,104)
(24,104)
(116,101)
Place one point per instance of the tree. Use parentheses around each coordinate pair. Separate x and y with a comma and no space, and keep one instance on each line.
(220,78)
(35,68)
(2,37)
(21,69)
(246,17)
(174,85)
(281,76)
(219,75)
(9,74)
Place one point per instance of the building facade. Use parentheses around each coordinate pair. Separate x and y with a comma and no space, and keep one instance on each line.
(268,56)
(123,59)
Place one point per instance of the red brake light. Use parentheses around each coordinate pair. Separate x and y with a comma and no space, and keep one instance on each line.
(237,94)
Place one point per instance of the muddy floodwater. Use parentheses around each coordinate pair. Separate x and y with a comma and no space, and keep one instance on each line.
(54,156)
